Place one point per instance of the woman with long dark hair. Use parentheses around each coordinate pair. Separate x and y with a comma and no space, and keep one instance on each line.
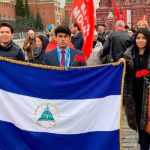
(135,97)
(39,51)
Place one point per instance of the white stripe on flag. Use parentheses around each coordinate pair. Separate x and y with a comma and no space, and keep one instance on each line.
(71,116)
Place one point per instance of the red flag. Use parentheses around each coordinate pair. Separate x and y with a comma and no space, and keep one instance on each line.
(116,10)
(144,17)
(125,16)
(83,15)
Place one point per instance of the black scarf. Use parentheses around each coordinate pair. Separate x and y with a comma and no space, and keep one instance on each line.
(141,61)
(37,52)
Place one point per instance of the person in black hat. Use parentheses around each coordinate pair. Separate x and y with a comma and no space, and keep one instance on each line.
(101,33)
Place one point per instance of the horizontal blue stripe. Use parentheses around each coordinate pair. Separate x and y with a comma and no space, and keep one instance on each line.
(85,83)
(12,138)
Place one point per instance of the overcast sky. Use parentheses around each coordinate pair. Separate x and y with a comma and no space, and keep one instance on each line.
(95,2)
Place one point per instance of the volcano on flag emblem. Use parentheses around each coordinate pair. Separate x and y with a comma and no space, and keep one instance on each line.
(46,115)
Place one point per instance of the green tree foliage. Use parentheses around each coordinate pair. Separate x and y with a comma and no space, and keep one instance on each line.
(24,19)
(38,22)
(27,9)
(19,8)
(30,22)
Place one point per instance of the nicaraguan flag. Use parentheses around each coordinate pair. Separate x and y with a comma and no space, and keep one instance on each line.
(46,109)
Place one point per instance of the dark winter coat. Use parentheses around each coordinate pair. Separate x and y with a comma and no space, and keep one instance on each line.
(38,55)
(12,51)
(38,52)
(130,104)
(116,44)
(77,41)
(101,37)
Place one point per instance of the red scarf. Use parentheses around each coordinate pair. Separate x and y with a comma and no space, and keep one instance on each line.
(120,29)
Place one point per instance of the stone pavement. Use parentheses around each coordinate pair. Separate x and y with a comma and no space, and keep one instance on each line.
(129,136)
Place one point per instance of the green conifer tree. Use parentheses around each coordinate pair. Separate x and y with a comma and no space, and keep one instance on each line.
(38,22)
(27,9)
(19,8)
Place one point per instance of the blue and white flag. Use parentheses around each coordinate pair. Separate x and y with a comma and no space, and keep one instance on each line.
(46,109)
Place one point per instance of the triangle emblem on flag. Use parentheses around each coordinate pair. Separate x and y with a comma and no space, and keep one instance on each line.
(46,115)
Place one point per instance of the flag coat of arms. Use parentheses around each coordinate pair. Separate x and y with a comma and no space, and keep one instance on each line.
(50,109)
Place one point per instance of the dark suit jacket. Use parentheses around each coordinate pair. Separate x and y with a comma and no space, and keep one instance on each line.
(77,41)
(51,58)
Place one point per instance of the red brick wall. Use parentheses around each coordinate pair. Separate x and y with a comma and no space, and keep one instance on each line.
(46,9)
(68,7)
(47,12)
(7,11)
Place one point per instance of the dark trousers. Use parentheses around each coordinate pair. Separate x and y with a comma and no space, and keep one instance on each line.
(144,140)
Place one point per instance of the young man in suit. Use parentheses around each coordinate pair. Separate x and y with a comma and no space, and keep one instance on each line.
(63,55)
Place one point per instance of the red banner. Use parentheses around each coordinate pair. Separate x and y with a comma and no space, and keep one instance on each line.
(125,16)
(116,10)
(83,15)
(144,17)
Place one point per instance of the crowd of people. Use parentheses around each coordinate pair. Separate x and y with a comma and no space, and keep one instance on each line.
(65,49)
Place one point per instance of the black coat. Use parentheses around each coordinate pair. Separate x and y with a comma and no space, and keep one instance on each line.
(12,51)
(101,37)
(38,55)
(130,102)
(116,44)
(77,41)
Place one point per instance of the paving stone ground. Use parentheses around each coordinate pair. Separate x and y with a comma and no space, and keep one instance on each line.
(129,136)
